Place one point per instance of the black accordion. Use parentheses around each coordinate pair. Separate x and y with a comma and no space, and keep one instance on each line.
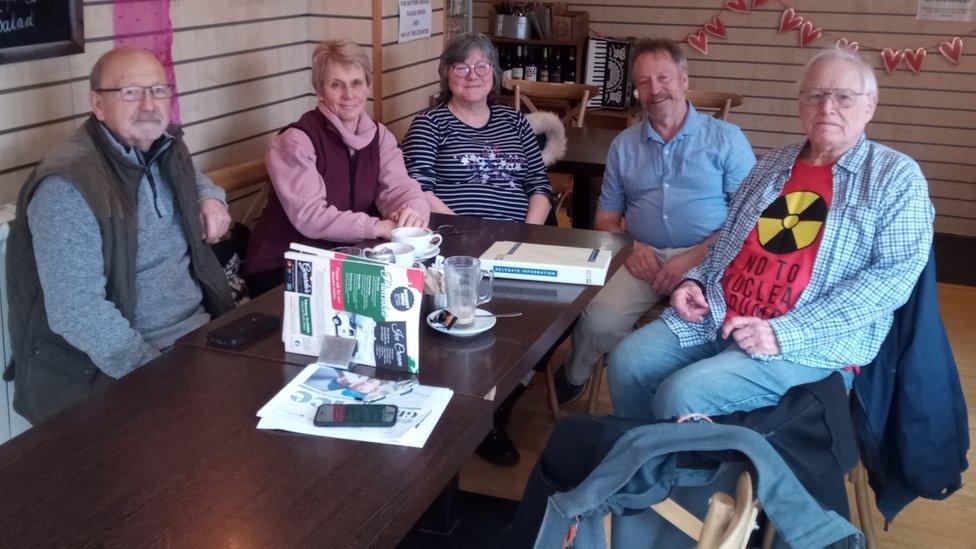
(606,67)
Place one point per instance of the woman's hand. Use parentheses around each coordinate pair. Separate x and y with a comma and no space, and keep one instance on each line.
(384,228)
(408,217)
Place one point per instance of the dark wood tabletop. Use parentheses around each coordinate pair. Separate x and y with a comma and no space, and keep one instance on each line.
(170,456)
(489,364)
(586,159)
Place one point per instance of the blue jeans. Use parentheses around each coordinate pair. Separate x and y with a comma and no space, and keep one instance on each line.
(652,377)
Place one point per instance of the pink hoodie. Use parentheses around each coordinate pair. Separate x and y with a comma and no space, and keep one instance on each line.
(301,190)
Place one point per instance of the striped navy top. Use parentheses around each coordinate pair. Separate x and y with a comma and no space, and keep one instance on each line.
(486,172)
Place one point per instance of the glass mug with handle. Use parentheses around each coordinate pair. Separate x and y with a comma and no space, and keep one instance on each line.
(464,279)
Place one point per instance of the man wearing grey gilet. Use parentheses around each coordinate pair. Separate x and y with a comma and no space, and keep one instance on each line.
(108,262)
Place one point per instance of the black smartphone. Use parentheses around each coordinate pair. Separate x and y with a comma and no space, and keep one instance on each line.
(355,415)
(242,330)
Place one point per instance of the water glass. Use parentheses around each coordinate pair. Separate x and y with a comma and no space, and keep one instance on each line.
(467,287)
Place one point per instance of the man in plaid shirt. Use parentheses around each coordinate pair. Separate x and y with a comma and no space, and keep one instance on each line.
(823,241)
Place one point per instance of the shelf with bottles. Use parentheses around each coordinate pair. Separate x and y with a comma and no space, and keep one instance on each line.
(540,60)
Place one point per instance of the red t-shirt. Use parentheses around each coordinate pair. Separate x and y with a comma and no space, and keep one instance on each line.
(767,276)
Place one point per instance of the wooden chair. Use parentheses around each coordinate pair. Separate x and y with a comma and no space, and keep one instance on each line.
(573,96)
(246,186)
(727,524)
(719,102)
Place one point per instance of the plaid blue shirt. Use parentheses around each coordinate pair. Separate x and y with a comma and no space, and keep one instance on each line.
(875,242)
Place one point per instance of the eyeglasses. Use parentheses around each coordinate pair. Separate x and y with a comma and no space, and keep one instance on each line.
(481,69)
(136,93)
(844,99)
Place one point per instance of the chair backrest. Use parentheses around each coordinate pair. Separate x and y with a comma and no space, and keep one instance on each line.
(247,188)
(720,102)
(573,96)
(727,523)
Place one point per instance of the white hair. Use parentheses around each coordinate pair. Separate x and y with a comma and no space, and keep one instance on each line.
(865,71)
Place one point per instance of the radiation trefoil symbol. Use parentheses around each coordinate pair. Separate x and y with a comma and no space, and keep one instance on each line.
(792,222)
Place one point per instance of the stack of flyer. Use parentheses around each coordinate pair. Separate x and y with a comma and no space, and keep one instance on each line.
(293,408)
(549,263)
(377,304)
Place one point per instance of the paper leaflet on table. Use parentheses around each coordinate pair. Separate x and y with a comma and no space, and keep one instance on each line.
(546,262)
(293,408)
(377,304)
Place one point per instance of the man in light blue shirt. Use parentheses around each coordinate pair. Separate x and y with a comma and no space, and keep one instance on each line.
(670,176)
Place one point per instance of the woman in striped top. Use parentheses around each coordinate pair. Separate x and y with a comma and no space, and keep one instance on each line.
(474,157)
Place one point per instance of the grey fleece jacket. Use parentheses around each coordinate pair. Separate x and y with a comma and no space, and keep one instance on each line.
(68,249)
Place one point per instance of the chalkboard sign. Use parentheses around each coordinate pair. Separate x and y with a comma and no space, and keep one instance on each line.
(34,29)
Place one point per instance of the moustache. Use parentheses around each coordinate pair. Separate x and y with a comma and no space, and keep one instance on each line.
(154,118)
(659,98)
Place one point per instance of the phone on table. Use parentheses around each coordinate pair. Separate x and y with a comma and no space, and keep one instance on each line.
(355,415)
(242,330)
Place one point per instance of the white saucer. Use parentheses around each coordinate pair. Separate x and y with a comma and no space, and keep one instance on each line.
(480,324)
(432,252)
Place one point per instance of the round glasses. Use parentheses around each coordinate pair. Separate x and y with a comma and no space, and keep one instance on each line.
(481,69)
(136,93)
(813,97)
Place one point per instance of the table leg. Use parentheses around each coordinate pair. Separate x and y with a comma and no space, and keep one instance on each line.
(443,514)
(583,205)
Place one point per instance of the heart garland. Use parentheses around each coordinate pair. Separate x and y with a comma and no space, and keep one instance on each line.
(892,58)
(952,50)
(715,27)
(809,33)
(740,6)
(789,21)
(914,59)
(699,41)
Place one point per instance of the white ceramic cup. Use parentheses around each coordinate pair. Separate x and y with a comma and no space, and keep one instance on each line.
(402,253)
(422,239)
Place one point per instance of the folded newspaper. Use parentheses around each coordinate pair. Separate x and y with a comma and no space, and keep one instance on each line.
(293,408)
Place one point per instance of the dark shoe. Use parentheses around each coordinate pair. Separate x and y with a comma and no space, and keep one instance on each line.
(566,392)
(498,449)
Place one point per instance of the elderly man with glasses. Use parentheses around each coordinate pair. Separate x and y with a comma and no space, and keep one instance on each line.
(107,260)
(823,241)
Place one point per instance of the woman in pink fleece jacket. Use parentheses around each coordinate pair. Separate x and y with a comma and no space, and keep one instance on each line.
(338,176)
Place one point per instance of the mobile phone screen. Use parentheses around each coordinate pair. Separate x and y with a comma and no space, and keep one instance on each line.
(356,415)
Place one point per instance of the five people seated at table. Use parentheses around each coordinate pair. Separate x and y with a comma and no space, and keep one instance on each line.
(779,273)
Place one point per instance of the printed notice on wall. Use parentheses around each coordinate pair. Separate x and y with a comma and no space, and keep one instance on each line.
(414,20)
(946,10)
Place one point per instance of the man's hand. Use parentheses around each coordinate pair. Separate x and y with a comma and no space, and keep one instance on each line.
(752,334)
(673,271)
(642,263)
(214,219)
(408,217)
(689,302)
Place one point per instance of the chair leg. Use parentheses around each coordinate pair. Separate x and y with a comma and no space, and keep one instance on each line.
(863,499)
(551,390)
(596,378)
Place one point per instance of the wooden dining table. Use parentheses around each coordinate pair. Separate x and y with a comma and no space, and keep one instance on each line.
(170,456)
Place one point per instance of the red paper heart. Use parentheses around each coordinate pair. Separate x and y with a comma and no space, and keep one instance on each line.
(952,50)
(757,3)
(737,5)
(789,21)
(845,43)
(914,59)
(699,41)
(892,59)
(715,27)
(808,34)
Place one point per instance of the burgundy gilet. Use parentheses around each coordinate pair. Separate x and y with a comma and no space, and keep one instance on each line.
(351,183)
